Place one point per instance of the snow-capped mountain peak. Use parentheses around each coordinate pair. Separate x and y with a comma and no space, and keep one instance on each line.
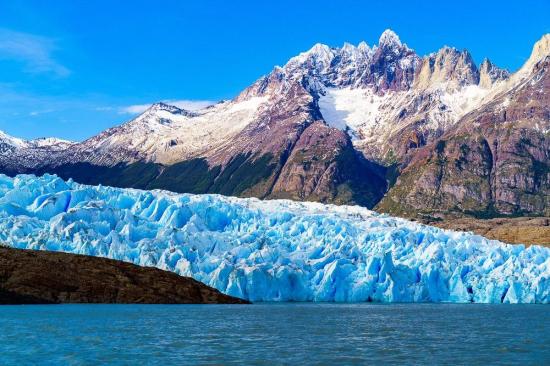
(172,109)
(390,65)
(348,48)
(489,73)
(364,48)
(542,47)
(319,56)
(164,107)
(389,39)
(50,142)
(11,141)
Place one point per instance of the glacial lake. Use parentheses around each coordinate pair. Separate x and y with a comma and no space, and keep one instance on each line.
(268,334)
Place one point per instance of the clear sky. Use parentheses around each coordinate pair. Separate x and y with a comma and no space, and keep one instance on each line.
(73,68)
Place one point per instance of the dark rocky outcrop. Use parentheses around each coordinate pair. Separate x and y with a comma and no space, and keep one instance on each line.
(40,277)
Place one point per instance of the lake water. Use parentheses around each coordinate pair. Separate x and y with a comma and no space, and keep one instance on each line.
(267,334)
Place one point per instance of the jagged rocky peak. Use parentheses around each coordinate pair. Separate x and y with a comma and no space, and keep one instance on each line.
(349,51)
(172,109)
(389,40)
(541,52)
(14,142)
(393,65)
(317,57)
(324,55)
(364,47)
(540,56)
(542,47)
(348,48)
(390,65)
(489,74)
(161,106)
(449,67)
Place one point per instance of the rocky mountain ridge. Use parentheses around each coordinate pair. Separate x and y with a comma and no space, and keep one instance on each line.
(494,161)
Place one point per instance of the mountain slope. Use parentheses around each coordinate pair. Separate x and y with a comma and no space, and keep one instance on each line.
(495,161)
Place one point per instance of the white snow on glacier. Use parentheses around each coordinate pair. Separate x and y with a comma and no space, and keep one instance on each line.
(271,250)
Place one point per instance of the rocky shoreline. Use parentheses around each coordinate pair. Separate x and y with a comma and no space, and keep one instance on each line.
(41,277)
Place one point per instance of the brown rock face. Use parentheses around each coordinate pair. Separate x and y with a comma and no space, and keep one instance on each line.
(40,277)
(447,65)
(386,72)
(517,230)
(496,161)
(323,166)
(489,74)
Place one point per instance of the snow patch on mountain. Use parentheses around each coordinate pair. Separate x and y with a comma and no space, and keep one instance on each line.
(464,99)
(271,250)
(354,110)
(372,118)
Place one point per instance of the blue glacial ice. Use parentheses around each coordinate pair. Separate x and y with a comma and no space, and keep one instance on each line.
(271,250)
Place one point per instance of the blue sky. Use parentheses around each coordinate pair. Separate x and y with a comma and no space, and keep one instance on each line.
(73,68)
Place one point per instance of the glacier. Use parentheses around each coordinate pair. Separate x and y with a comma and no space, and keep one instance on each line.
(275,250)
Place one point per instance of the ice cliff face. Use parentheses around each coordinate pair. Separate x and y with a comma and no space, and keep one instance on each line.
(271,250)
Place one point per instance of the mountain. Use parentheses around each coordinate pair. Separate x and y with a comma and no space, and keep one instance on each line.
(494,161)
(268,250)
(381,125)
(18,155)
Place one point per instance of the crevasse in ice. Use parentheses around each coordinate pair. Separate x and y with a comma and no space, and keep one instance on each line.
(271,250)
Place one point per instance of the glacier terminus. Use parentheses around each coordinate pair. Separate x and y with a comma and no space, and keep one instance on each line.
(275,250)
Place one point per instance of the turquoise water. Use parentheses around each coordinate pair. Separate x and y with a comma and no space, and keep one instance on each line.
(267,334)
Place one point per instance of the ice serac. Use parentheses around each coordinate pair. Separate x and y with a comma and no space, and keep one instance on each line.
(271,250)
